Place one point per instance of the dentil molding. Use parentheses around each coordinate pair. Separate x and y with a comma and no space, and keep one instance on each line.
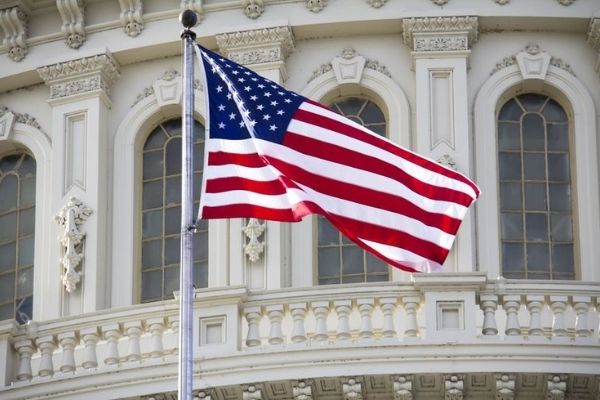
(70,218)
(533,62)
(440,33)
(132,17)
(88,74)
(349,66)
(14,24)
(73,18)
(257,46)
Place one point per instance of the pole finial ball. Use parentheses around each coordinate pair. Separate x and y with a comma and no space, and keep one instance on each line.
(188,19)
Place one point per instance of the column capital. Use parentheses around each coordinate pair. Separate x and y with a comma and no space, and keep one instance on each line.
(258,48)
(440,34)
(85,76)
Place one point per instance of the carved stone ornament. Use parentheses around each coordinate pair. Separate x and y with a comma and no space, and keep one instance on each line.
(349,65)
(257,46)
(447,161)
(316,5)
(73,27)
(253,8)
(14,24)
(132,17)
(502,2)
(252,393)
(194,5)
(403,387)
(70,218)
(376,3)
(302,390)
(453,387)
(556,387)
(439,2)
(440,33)
(253,231)
(82,75)
(533,62)
(593,36)
(352,389)
(17,117)
(566,2)
(7,119)
(505,387)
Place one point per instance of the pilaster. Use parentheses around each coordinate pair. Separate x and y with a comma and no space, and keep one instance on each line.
(264,51)
(79,97)
(441,48)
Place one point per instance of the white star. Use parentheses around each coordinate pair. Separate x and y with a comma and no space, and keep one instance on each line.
(232,116)
(260,107)
(221,107)
(274,86)
(228,96)
(235,72)
(273,127)
(252,122)
(280,112)
(221,125)
(287,101)
(247,88)
(219,89)
(274,103)
(254,79)
(260,85)
(253,97)
(247,72)
(281,93)
(241,124)
(241,80)
(266,117)
(267,94)
(246,112)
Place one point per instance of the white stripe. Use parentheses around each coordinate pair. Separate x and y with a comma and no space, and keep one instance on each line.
(334,205)
(339,172)
(329,136)
(262,174)
(404,256)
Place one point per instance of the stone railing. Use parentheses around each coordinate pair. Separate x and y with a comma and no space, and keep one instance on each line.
(234,324)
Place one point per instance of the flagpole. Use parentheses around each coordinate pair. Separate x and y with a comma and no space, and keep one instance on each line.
(186,279)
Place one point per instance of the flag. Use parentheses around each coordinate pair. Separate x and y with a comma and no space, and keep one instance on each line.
(273,154)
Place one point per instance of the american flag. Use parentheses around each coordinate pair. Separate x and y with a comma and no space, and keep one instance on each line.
(273,154)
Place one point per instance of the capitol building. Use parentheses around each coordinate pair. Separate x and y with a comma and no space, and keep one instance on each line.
(506,92)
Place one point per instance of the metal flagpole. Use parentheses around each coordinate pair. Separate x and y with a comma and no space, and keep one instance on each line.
(186,278)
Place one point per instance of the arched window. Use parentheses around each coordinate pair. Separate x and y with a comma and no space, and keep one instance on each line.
(536,201)
(17,224)
(339,259)
(161,212)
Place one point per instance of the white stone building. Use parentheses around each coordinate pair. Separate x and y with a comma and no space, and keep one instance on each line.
(507,92)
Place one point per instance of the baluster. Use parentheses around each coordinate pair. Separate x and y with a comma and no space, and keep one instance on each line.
(112,333)
(388,305)
(365,307)
(90,337)
(24,348)
(512,303)
(67,341)
(133,329)
(558,305)
(581,305)
(534,306)
(275,313)
(298,311)
(46,344)
(343,309)
(253,315)
(321,310)
(489,304)
(156,326)
(411,305)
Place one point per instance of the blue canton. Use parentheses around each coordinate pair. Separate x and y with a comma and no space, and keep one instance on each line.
(234,89)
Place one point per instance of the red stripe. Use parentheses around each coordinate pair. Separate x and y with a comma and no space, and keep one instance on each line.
(293,214)
(334,188)
(375,140)
(225,158)
(344,156)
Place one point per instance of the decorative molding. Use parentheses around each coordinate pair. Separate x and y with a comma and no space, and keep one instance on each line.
(349,65)
(17,117)
(352,389)
(376,3)
(593,35)
(194,5)
(257,46)
(7,120)
(70,218)
(302,390)
(80,76)
(403,387)
(502,2)
(253,8)
(253,231)
(439,2)
(505,386)
(252,392)
(316,5)
(566,2)
(453,387)
(14,24)
(533,62)
(132,17)
(73,18)
(440,33)
(447,161)
(556,386)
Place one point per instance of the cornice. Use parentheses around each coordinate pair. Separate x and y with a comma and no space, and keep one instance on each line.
(87,74)
(257,46)
(440,33)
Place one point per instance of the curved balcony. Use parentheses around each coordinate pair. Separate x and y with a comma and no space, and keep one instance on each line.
(439,334)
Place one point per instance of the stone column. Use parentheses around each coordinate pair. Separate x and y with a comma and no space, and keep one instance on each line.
(441,48)
(264,51)
(79,97)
